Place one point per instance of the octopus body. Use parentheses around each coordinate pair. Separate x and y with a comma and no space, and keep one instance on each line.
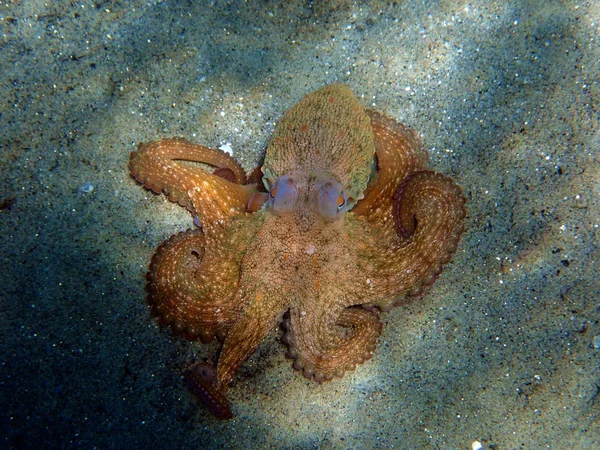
(352,223)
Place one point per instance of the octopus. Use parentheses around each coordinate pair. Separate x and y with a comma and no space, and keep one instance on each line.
(347,223)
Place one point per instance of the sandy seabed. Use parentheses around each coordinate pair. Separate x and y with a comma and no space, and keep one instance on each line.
(502,351)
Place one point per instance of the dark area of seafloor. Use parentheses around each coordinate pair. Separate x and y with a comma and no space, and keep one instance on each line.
(502,352)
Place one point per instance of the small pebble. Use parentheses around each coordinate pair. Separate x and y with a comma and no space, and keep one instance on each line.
(476,445)
(86,187)
(227,148)
(596,341)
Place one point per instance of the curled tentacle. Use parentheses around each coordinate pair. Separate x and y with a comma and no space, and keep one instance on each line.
(188,290)
(167,167)
(429,211)
(431,207)
(399,153)
(333,348)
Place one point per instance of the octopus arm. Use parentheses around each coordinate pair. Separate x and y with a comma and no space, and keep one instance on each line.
(167,167)
(398,153)
(243,338)
(262,314)
(428,212)
(201,379)
(191,287)
(328,343)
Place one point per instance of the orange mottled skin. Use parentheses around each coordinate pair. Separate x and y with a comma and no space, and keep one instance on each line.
(354,224)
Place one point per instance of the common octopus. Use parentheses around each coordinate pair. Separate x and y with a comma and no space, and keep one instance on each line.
(351,223)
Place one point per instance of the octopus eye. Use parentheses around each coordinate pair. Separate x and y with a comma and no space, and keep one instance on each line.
(284,194)
(331,200)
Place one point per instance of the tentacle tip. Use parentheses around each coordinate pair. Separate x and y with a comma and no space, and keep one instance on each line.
(202,381)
